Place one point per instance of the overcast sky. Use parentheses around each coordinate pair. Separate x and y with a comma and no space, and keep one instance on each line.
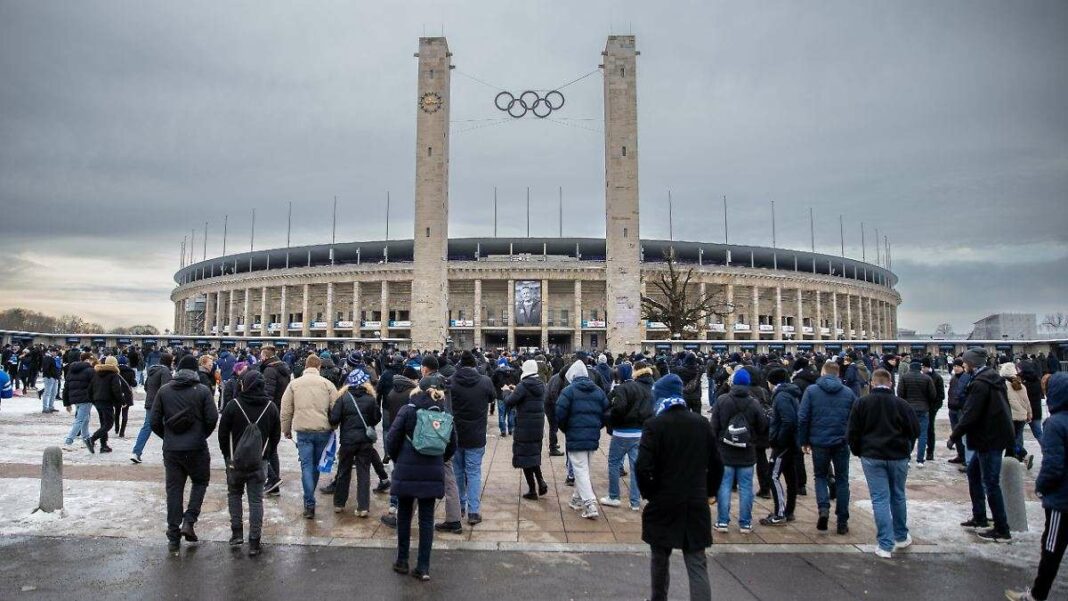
(124,125)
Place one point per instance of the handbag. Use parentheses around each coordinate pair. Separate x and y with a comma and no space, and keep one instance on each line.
(368,431)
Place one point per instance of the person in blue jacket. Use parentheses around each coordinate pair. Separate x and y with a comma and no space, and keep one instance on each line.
(580,411)
(782,434)
(1051,486)
(822,421)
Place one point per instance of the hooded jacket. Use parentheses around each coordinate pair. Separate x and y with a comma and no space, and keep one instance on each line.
(398,397)
(472,394)
(1032,381)
(782,430)
(105,386)
(727,406)
(824,413)
(157,376)
(528,399)
(184,391)
(1052,481)
(883,426)
(225,364)
(985,418)
(353,430)
(276,377)
(76,386)
(580,410)
(631,403)
(252,398)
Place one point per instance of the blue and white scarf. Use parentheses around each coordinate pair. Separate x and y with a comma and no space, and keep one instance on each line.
(669,403)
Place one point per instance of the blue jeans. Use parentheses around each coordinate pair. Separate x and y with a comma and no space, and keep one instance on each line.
(80,428)
(984,484)
(745,495)
(143,434)
(822,459)
(619,448)
(467,466)
(886,482)
(48,398)
(921,444)
(310,446)
(501,413)
(1036,428)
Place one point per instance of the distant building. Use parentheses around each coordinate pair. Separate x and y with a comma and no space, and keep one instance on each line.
(1006,326)
(906,334)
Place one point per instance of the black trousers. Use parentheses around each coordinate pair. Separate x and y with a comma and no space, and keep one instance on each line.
(106,413)
(784,467)
(930,432)
(554,427)
(360,456)
(122,414)
(802,471)
(533,477)
(763,469)
(180,466)
(696,570)
(1054,541)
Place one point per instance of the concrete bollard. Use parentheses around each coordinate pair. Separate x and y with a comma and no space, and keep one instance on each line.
(51,481)
(1012,489)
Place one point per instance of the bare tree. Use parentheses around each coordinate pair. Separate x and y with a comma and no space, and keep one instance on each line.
(679,304)
(1055,321)
(943,330)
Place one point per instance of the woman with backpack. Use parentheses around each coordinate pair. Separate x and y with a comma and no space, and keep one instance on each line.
(245,454)
(419,477)
(356,412)
(527,400)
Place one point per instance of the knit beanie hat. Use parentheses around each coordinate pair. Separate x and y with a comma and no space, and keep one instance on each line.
(187,362)
(777,376)
(741,378)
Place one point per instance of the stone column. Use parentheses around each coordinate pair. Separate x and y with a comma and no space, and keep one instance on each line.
(545,314)
(702,325)
(283,318)
(478,313)
(817,332)
(754,319)
(384,330)
(876,328)
(849,317)
(834,316)
(728,326)
(230,321)
(245,315)
(357,320)
(778,313)
(799,319)
(509,310)
(330,309)
(209,314)
(305,327)
(264,318)
(220,314)
(578,314)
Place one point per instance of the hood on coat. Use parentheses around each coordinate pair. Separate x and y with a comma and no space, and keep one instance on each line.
(791,389)
(670,386)
(1057,392)
(102,368)
(465,377)
(577,370)
(584,384)
(830,384)
(403,384)
(535,386)
(185,378)
(77,367)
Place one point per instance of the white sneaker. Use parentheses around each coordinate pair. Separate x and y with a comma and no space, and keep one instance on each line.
(635,507)
(135,458)
(590,512)
(361,513)
(1024,595)
(746,529)
(919,465)
(392,510)
(720,527)
(575,503)
(610,502)
(879,552)
(905,544)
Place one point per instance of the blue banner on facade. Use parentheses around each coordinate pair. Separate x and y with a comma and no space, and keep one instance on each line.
(804,346)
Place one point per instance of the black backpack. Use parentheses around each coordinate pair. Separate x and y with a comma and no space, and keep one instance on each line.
(247,456)
(737,433)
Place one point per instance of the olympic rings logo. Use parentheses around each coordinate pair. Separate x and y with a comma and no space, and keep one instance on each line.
(541,106)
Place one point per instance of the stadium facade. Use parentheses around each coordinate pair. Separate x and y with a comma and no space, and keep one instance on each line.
(431,291)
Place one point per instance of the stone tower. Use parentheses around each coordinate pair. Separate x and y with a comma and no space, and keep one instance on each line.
(622,265)
(430,284)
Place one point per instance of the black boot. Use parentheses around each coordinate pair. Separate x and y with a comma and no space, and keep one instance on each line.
(254,548)
(237,537)
(543,488)
(188,532)
(173,546)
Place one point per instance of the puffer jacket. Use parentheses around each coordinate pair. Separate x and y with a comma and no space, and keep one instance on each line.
(105,386)
(398,396)
(276,376)
(1019,405)
(472,394)
(1052,481)
(918,390)
(782,430)
(76,386)
(353,430)
(580,412)
(631,404)
(528,399)
(414,474)
(824,413)
(306,403)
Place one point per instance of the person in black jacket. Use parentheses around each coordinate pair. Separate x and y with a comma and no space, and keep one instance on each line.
(736,448)
(1032,382)
(630,405)
(985,426)
(678,470)
(250,406)
(184,416)
(355,412)
(157,376)
(106,390)
(76,393)
(882,429)
(52,372)
(528,401)
(128,379)
(918,390)
(936,405)
(782,436)
(276,377)
(472,395)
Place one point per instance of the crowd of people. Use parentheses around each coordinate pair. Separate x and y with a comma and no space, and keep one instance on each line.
(764,415)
